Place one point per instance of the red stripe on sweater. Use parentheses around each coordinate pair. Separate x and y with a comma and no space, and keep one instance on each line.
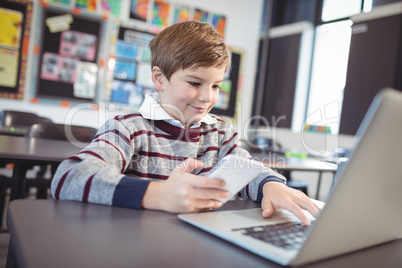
(207,150)
(231,149)
(177,132)
(176,139)
(157,135)
(117,132)
(117,149)
(60,184)
(141,132)
(229,140)
(127,116)
(205,132)
(87,188)
(217,118)
(92,153)
(76,158)
(147,175)
(204,170)
(164,156)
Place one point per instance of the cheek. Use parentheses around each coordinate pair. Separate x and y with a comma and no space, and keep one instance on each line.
(215,98)
(186,95)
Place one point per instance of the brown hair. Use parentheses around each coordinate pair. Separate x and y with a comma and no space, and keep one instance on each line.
(189,44)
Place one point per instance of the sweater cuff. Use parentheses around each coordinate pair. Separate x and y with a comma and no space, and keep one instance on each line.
(129,192)
(267,179)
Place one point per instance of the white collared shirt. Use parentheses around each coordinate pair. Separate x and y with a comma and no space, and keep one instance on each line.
(151,109)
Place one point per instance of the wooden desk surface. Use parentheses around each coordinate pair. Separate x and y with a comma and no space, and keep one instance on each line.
(49,233)
(281,162)
(37,150)
(302,164)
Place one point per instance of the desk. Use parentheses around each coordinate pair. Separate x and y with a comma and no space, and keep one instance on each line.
(281,163)
(74,234)
(24,152)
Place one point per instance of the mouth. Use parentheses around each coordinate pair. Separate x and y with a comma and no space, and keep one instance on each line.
(199,109)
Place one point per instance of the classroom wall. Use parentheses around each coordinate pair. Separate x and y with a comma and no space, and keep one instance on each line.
(242,32)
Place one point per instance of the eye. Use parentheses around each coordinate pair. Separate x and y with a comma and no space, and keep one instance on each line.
(194,84)
(216,87)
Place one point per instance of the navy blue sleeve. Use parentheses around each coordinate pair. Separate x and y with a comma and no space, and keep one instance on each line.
(129,192)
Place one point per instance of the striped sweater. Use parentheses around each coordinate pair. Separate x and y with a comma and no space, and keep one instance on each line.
(130,151)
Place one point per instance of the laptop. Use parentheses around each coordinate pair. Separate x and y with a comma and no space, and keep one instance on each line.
(362,210)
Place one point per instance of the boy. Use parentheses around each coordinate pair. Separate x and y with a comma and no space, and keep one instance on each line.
(155,159)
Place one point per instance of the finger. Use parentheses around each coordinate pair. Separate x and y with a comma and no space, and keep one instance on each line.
(209,193)
(202,204)
(310,206)
(267,208)
(189,164)
(296,209)
(306,203)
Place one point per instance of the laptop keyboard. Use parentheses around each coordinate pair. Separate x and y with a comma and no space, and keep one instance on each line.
(287,235)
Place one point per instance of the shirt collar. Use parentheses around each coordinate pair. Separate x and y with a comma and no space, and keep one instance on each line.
(151,109)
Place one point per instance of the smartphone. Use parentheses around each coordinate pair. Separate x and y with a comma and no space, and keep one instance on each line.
(237,172)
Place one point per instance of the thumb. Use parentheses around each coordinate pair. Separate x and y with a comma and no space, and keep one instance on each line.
(189,164)
(267,208)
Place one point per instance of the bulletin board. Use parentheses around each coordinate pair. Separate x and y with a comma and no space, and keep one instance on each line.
(230,88)
(15,23)
(68,59)
(131,77)
(162,13)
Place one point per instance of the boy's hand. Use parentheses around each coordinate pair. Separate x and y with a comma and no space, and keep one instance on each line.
(278,195)
(184,192)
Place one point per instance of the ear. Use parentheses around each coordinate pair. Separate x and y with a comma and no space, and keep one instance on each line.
(157,78)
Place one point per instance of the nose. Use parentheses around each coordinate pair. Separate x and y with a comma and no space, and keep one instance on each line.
(205,94)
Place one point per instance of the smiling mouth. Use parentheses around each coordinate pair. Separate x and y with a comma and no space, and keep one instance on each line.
(199,109)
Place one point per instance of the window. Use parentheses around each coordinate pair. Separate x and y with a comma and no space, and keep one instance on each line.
(336,9)
(330,59)
(328,78)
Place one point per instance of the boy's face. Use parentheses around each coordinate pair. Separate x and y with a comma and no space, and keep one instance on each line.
(190,94)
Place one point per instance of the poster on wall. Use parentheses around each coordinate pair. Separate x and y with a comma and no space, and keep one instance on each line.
(15,23)
(160,13)
(131,74)
(8,67)
(111,7)
(89,5)
(68,60)
(78,45)
(11,25)
(201,15)
(139,10)
(64,2)
(181,13)
(224,95)
(231,87)
(219,21)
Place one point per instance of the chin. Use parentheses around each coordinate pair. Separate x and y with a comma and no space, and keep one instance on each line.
(196,120)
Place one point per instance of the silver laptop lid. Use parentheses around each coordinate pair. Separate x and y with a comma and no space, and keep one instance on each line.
(364,207)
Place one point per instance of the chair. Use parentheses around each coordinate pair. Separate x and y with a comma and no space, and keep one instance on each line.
(17,119)
(10,118)
(54,132)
